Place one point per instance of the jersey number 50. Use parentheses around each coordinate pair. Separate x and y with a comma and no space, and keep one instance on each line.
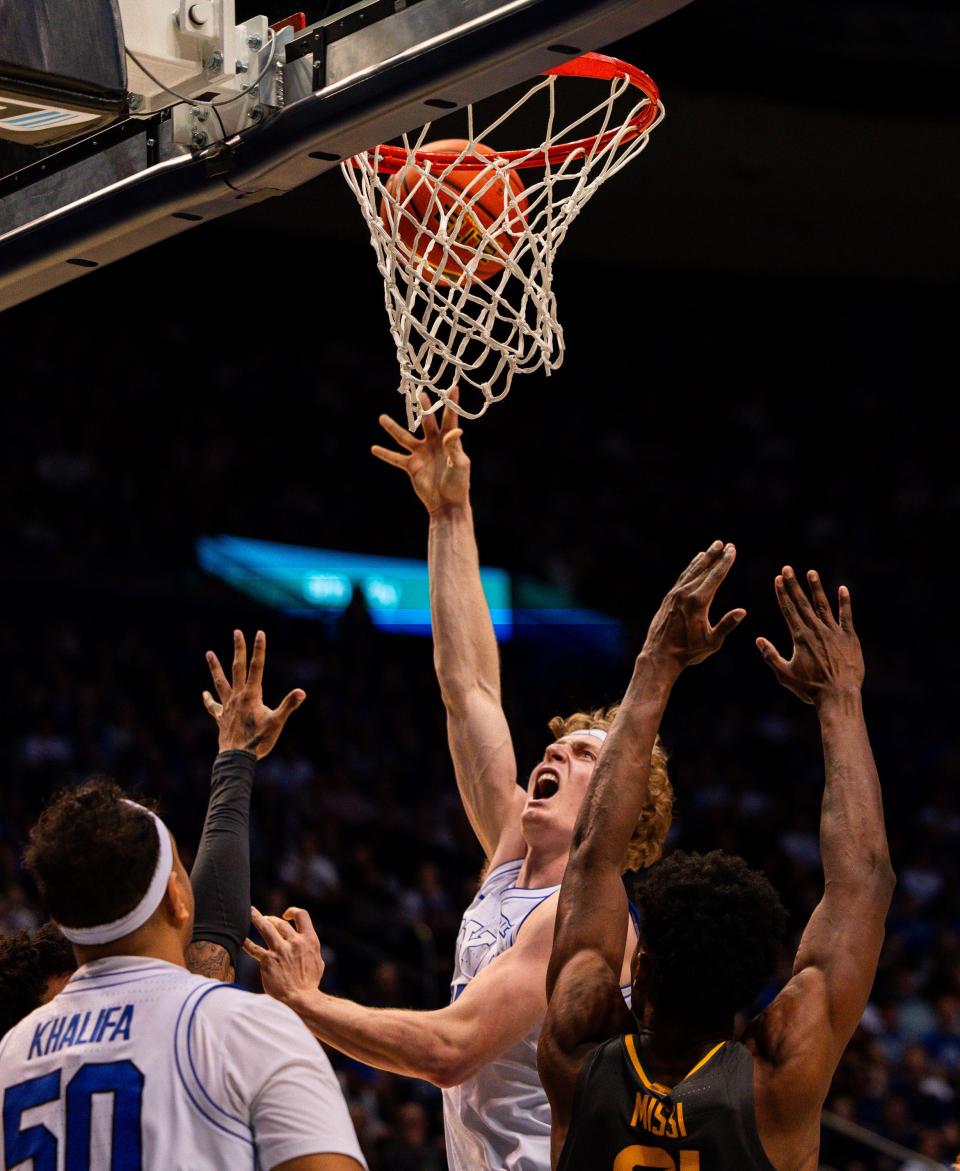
(633,1157)
(122,1079)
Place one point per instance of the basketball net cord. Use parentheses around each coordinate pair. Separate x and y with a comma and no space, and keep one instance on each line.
(461,330)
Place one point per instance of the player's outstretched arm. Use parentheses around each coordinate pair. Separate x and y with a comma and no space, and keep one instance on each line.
(802,1035)
(248,730)
(583,980)
(498,1008)
(464,644)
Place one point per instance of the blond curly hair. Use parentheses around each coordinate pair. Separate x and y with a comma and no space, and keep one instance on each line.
(652,826)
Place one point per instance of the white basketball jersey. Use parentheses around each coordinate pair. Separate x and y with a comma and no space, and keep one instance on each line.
(498,1120)
(139,1066)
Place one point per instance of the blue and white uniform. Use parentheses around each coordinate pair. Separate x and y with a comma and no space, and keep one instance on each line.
(499,1119)
(137,1065)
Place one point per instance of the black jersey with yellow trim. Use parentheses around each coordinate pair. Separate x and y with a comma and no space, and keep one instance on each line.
(622,1120)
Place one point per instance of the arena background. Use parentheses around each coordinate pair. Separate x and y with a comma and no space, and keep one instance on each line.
(761,319)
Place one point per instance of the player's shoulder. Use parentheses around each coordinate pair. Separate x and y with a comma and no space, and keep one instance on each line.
(214,1003)
(500,875)
(241,1021)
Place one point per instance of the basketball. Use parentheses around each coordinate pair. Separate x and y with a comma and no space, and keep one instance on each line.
(461,206)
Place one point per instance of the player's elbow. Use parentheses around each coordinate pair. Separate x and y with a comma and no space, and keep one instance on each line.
(878,872)
(450,1069)
(885,878)
(449,1062)
(460,689)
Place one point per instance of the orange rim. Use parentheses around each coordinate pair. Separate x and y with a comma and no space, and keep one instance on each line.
(390,159)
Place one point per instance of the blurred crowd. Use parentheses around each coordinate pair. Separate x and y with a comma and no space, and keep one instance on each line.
(355,814)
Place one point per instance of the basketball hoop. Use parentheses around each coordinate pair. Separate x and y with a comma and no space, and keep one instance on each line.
(466,247)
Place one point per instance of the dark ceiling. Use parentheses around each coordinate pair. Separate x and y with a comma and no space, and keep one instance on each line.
(820,139)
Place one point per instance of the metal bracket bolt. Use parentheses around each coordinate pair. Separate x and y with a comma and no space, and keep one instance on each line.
(214,61)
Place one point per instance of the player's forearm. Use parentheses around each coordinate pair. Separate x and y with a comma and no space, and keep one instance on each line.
(616,796)
(853,839)
(464,644)
(413,1044)
(619,786)
(221,871)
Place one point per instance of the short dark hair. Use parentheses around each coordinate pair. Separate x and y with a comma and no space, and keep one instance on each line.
(27,962)
(92,854)
(712,930)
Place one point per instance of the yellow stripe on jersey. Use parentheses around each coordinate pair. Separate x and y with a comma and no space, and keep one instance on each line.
(631,1044)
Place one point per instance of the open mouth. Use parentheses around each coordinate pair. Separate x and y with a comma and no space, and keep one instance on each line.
(546,785)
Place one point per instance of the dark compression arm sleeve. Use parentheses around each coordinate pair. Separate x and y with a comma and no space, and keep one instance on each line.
(221,872)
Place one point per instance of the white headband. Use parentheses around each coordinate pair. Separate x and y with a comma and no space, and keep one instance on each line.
(596,733)
(109,932)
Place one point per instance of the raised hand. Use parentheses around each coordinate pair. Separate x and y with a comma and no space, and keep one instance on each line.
(292,961)
(826,659)
(437,465)
(243,718)
(680,632)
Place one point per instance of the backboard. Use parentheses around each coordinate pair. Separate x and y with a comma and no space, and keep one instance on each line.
(322,93)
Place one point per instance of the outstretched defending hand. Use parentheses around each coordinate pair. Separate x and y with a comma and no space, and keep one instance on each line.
(292,961)
(826,660)
(437,465)
(680,632)
(243,718)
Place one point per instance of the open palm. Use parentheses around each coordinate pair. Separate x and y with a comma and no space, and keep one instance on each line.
(437,465)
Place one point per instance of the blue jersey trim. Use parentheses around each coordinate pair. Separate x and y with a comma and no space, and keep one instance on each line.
(518,862)
(193,1069)
(183,1081)
(529,915)
(530,892)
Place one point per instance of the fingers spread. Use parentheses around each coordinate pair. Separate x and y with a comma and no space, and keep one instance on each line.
(698,564)
(219,679)
(820,603)
(797,596)
(729,622)
(787,608)
(255,950)
(450,415)
(846,610)
(271,936)
(399,434)
(388,456)
(257,659)
(281,926)
(215,709)
(771,656)
(430,425)
(301,919)
(290,703)
(721,562)
(451,445)
(239,659)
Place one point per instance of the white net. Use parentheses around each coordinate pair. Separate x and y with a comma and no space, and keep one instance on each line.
(465,239)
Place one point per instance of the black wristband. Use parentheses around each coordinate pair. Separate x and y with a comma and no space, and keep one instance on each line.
(221,872)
